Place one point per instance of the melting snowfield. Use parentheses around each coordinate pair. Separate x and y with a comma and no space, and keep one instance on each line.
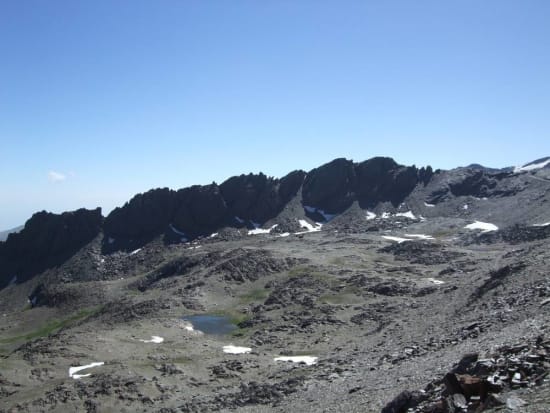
(410,237)
(259,230)
(236,349)
(370,216)
(407,214)
(483,226)
(308,360)
(532,167)
(74,370)
(310,228)
(420,236)
(154,339)
(397,239)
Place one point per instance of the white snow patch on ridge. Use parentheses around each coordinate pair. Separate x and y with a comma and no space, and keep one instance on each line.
(370,215)
(257,230)
(419,236)
(532,167)
(483,226)
(308,360)
(429,205)
(154,339)
(310,228)
(398,239)
(134,252)
(74,370)
(236,349)
(434,281)
(407,214)
(542,225)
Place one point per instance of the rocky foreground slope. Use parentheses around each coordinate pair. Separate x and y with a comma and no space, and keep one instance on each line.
(360,287)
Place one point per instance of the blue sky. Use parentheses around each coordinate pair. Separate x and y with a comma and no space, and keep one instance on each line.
(102,99)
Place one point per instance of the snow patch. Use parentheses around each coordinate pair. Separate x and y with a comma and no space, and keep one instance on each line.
(214,235)
(434,281)
(308,360)
(532,167)
(257,230)
(484,226)
(310,228)
(154,339)
(284,234)
(465,207)
(236,350)
(429,205)
(542,225)
(189,327)
(370,216)
(419,236)
(407,214)
(134,252)
(385,215)
(398,239)
(74,370)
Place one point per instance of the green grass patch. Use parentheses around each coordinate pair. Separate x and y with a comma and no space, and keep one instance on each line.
(258,294)
(349,295)
(304,271)
(52,326)
(337,261)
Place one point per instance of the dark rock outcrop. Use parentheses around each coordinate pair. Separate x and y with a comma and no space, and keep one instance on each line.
(331,186)
(334,186)
(140,219)
(382,179)
(475,182)
(258,198)
(200,210)
(46,241)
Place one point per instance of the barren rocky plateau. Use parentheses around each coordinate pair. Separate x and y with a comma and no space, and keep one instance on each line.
(354,287)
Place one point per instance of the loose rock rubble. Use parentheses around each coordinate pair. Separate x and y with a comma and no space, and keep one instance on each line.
(478,384)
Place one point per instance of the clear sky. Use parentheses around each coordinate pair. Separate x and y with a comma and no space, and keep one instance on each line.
(100,99)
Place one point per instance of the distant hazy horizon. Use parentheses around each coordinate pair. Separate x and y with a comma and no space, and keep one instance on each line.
(101,100)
